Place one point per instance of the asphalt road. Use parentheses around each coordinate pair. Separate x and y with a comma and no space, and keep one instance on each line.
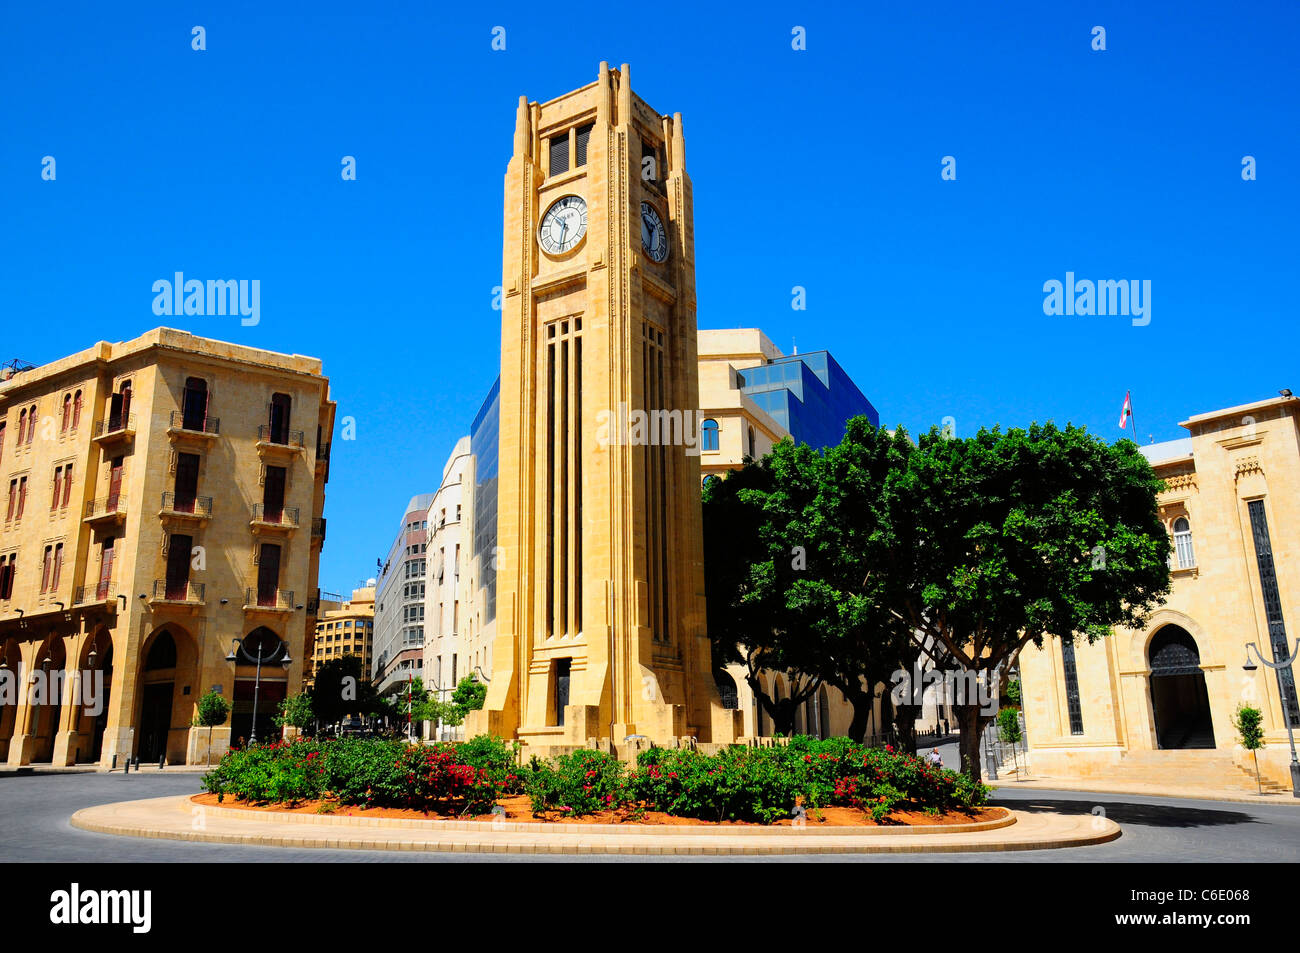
(34,812)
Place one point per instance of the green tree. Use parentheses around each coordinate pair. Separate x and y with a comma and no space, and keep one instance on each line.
(1009,730)
(295,711)
(469,696)
(1002,538)
(342,688)
(1249,724)
(213,710)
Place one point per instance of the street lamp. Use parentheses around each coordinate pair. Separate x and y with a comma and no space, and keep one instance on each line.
(259,658)
(1286,703)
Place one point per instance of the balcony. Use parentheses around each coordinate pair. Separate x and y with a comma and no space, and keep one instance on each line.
(323,459)
(106,511)
(179,593)
(114,430)
(282,520)
(268,600)
(278,441)
(196,508)
(100,592)
(318,529)
(201,427)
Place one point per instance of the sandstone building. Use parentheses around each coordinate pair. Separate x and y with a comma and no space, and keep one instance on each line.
(164,497)
(1158,703)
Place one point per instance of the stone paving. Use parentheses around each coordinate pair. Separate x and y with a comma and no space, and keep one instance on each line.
(179,818)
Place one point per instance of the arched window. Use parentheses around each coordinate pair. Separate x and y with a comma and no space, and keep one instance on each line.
(162,654)
(76,410)
(22,426)
(709,435)
(67,413)
(1183,543)
(31,424)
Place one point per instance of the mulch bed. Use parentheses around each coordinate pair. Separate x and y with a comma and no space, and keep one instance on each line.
(519,808)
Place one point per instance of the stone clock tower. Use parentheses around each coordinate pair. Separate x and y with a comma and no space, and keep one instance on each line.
(600,583)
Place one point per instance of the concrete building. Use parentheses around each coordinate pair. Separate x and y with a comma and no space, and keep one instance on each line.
(344,627)
(445,595)
(164,498)
(399,601)
(1158,703)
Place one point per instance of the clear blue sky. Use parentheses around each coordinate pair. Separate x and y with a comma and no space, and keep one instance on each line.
(818,168)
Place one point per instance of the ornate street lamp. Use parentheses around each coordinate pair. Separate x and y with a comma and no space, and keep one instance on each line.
(259,658)
(1277,665)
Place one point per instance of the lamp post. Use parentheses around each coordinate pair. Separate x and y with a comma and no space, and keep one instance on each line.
(232,658)
(1277,665)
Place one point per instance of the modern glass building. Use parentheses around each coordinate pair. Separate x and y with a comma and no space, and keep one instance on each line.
(809,395)
(483,441)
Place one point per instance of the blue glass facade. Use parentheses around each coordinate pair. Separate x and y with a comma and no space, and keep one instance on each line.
(810,395)
(483,443)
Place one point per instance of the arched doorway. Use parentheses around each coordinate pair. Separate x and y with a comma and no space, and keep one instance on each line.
(10,686)
(168,674)
(263,693)
(1179,699)
(93,700)
(47,696)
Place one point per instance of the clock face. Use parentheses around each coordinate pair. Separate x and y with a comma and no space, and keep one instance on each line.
(654,237)
(563,225)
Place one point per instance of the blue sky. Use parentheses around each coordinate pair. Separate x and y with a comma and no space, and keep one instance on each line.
(818,168)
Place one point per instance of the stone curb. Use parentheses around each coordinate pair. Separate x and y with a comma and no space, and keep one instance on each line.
(173,818)
(1051,784)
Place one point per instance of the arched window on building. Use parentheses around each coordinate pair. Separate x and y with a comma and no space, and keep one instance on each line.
(76,410)
(709,434)
(66,420)
(1183,552)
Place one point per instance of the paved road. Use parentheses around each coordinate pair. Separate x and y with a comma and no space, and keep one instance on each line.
(34,812)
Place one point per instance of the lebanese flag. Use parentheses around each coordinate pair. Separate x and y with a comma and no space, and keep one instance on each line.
(1126,412)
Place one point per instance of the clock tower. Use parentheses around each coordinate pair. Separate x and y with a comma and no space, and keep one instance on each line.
(600,581)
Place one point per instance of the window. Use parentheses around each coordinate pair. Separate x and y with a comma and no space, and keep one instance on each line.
(580,143)
(62,486)
(281,405)
(194,404)
(47,567)
(13,499)
(3,424)
(559,154)
(66,420)
(709,435)
(1072,687)
(22,497)
(1183,543)
(58,567)
(76,410)
(31,424)
(22,426)
(7,572)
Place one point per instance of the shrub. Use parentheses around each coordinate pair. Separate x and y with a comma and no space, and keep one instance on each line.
(583,782)
(500,759)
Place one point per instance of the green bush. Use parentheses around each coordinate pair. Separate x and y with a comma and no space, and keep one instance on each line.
(499,758)
(583,782)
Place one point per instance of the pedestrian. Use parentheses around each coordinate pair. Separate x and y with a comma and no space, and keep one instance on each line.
(935,759)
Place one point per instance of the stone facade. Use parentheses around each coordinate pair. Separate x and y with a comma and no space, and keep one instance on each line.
(599,584)
(1158,703)
(193,517)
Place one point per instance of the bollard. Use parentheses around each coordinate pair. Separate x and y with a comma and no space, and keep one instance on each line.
(126,768)
(162,760)
(113,766)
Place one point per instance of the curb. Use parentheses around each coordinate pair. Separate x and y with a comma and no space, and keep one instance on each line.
(172,818)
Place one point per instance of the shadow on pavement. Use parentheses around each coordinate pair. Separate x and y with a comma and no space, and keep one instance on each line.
(1149,815)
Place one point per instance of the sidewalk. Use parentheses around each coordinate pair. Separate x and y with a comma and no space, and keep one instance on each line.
(7,771)
(179,818)
(1142,788)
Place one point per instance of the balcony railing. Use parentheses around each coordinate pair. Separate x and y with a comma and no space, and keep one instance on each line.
(108,507)
(185,591)
(322,452)
(100,592)
(279,437)
(196,505)
(318,527)
(194,423)
(286,516)
(115,425)
(255,598)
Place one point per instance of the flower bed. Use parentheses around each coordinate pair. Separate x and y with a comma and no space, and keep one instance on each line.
(739,784)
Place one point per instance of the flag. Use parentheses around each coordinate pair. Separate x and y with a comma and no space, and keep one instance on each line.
(1126,411)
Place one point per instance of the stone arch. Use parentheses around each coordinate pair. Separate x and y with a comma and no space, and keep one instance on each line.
(11,676)
(166,680)
(258,690)
(1180,702)
(94,693)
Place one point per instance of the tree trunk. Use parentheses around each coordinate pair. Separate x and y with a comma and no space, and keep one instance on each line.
(905,725)
(968,723)
(862,710)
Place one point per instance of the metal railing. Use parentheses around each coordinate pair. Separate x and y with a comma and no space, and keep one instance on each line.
(284,516)
(322,452)
(268,599)
(109,506)
(204,424)
(115,425)
(279,436)
(318,527)
(100,592)
(198,505)
(186,591)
